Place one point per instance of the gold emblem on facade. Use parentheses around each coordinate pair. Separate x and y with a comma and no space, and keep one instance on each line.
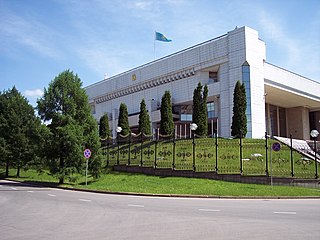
(133,77)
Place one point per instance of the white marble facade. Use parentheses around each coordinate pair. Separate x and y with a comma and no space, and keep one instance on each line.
(182,71)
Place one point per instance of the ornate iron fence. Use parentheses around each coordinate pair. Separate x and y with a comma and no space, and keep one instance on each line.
(218,155)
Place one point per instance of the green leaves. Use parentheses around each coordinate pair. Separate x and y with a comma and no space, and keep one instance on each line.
(18,129)
(72,127)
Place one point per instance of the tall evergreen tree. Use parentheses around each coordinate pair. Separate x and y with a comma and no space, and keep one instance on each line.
(18,130)
(104,130)
(72,127)
(144,119)
(166,123)
(200,114)
(123,120)
(239,118)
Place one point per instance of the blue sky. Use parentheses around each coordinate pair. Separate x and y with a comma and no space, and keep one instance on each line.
(41,38)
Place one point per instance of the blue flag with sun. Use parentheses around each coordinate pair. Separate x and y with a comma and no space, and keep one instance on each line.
(161,37)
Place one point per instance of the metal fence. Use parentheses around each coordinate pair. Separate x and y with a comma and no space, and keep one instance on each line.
(219,155)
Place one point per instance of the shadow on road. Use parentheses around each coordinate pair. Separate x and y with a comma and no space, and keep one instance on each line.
(10,183)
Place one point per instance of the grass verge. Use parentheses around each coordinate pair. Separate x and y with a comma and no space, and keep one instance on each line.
(138,183)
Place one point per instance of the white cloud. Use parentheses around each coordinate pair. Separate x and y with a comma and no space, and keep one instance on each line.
(27,32)
(143,4)
(275,31)
(295,50)
(34,93)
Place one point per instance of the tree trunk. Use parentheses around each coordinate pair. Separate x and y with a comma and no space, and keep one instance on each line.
(18,169)
(7,168)
(61,179)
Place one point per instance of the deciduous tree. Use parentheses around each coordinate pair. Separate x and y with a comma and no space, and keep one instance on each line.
(72,127)
(18,130)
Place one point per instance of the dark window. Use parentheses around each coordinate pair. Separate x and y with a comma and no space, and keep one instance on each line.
(213,77)
(210,110)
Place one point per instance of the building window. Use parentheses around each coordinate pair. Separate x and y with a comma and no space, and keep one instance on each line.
(213,77)
(93,108)
(186,117)
(210,110)
(246,82)
(282,122)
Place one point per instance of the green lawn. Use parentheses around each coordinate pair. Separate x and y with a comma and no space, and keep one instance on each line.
(138,183)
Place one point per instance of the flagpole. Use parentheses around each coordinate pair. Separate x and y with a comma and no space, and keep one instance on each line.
(154,45)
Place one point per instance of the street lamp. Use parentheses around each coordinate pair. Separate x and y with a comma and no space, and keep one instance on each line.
(118,130)
(193,127)
(314,133)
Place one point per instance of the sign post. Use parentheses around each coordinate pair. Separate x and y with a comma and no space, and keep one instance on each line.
(276,146)
(87,155)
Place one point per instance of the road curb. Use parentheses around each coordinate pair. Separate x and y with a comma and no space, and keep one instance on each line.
(43,184)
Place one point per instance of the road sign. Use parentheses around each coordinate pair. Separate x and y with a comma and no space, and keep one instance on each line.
(87,153)
(276,146)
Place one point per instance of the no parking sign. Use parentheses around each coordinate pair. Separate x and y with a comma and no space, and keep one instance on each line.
(276,146)
(87,153)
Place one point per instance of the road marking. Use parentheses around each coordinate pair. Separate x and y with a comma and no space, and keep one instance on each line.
(84,200)
(132,205)
(52,195)
(210,210)
(13,188)
(31,191)
(292,213)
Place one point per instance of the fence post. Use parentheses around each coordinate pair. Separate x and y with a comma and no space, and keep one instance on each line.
(315,156)
(141,153)
(240,144)
(155,150)
(108,152)
(291,156)
(118,155)
(216,149)
(174,151)
(129,149)
(266,146)
(193,152)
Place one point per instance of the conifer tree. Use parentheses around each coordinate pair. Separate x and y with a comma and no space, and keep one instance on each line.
(239,118)
(104,130)
(166,123)
(200,115)
(123,120)
(144,119)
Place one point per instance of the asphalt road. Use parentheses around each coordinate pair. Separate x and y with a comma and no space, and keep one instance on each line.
(30,212)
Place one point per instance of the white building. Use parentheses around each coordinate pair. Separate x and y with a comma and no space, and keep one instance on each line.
(279,101)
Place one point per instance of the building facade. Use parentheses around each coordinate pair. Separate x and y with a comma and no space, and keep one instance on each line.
(278,101)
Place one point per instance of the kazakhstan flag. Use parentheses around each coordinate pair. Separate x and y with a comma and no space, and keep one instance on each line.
(161,37)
